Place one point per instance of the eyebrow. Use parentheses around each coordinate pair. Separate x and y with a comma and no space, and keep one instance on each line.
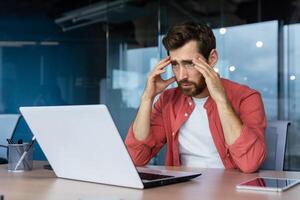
(187,61)
(182,61)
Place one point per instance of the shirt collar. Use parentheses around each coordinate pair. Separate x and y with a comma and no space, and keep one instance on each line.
(208,104)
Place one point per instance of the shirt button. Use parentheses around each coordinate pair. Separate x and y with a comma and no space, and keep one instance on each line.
(227,154)
(190,104)
(186,114)
(173,134)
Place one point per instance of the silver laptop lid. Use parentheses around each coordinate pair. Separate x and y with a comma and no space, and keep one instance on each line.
(82,143)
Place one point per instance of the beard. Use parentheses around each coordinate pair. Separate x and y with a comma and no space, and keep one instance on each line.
(194,88)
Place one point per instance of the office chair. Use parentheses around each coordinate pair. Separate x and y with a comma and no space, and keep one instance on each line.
(275,137)
(8,124)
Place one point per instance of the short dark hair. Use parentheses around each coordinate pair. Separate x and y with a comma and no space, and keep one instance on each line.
(180,34)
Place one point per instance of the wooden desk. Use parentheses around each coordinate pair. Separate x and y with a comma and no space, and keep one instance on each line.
(214,184)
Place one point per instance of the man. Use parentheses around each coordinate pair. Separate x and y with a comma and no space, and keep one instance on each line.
(206,121)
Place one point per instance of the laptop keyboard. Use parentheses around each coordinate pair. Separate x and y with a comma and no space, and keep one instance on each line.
(149,176)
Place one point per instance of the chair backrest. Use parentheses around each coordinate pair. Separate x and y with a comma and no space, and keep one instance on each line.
(275,137)
(8,124)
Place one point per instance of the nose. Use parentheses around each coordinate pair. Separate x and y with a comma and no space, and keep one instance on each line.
(183,74)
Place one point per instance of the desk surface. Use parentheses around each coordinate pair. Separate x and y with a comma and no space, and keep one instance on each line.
(216,184)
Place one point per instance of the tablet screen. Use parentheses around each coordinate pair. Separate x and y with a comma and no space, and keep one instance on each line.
(269,183)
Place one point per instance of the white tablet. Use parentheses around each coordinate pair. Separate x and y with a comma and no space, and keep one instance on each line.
(268,184)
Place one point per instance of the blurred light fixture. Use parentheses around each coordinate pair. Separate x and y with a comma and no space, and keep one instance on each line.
(292,77)
(91,14)
(49,43)
(222,31)
(232,68)
(259,44)
(27,43)
(16,43)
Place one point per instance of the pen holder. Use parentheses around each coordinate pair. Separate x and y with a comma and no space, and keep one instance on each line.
(15,152)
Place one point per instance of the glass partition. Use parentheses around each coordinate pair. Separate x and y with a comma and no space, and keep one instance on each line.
(42,66)
(292,98)
(132,52)
(248,55)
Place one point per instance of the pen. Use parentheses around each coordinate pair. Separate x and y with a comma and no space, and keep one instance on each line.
(10,141)
(25,152)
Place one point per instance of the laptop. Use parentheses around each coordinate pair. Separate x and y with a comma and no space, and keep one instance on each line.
(8,123)
(83,143)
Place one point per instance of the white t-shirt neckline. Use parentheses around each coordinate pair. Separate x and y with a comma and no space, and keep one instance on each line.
(196,145)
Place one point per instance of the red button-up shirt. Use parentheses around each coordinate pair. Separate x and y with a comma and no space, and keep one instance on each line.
(173,108)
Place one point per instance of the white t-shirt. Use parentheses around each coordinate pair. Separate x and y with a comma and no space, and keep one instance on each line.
(196,145)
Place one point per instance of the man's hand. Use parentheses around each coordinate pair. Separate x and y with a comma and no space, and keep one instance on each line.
(231,123)
(212,79)
(155,83)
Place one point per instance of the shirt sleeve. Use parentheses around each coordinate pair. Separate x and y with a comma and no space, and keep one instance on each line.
(249,150)
(141,152)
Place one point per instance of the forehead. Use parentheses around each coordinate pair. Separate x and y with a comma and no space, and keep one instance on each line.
(187,52)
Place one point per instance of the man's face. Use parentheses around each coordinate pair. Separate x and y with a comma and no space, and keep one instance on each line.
(190,81)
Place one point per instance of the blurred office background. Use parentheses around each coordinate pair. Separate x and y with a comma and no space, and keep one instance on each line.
(63,52)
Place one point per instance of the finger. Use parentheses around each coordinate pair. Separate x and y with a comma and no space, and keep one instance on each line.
(161,71)
(170,80)
(158,72)
(163,60)
(163,64)
(202,69)
(210,70)
(200,61)
(201,57)
(213,76)
(203,60)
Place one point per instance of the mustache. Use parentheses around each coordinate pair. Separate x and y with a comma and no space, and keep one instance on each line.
(184,81)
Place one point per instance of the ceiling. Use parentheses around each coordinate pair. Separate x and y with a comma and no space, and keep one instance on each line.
(243,11)
(53,8)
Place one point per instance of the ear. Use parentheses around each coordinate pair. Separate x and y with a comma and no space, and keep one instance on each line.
(213,57)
